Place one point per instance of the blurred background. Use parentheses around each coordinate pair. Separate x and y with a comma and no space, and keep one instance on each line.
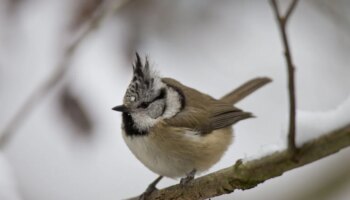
(66,142)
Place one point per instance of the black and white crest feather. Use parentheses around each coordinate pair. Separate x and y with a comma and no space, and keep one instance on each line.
(144,82)
(142,71)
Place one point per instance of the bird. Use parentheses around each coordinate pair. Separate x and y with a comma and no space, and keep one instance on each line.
(177,131)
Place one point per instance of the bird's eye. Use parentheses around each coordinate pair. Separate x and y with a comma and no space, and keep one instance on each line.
(144,105)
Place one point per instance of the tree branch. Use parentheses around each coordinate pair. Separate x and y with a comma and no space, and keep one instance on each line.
(247,175)
(43,90)
(290,9)
(282,21)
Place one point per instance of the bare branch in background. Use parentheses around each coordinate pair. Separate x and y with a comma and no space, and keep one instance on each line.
(249,174)
(282,22)
(85,8)
(105,8)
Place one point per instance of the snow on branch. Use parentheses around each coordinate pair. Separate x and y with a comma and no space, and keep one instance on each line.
(249,174)
(92,23)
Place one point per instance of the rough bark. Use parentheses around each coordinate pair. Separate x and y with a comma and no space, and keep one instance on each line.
(247,175)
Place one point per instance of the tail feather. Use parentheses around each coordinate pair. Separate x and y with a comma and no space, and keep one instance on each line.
(245,90)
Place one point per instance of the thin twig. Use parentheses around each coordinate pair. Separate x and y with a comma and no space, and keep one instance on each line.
(43,90)
(249,174)
(282,21)
(290,10)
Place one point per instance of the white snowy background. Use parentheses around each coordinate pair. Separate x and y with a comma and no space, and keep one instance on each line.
(210,45)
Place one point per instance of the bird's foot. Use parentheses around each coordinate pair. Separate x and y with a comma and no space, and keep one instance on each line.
(190,176)
(147,193)
(150,189)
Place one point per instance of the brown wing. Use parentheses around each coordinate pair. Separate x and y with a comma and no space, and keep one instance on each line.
(223,115)
(202,112)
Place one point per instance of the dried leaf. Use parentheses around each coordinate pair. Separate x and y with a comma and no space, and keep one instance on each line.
(75,111)
(13,6)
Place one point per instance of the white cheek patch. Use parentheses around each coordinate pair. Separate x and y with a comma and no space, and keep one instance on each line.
(143,121)
(173,103)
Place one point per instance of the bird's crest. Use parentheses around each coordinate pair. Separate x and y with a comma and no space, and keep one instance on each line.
(144,82)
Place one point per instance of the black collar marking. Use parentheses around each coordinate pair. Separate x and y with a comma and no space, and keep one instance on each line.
(129,126)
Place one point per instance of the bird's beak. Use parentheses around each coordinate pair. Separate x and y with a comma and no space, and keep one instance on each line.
(121,108)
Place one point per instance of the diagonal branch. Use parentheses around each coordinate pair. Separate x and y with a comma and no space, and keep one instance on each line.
(44,89)
(247,175)
(282,20)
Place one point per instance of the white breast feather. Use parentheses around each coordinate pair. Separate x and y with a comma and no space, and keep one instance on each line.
(155,159)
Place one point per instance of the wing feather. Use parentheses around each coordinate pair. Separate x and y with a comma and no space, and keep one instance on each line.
(202,112)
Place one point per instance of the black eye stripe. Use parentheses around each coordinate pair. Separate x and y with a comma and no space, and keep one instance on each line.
(160,96)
